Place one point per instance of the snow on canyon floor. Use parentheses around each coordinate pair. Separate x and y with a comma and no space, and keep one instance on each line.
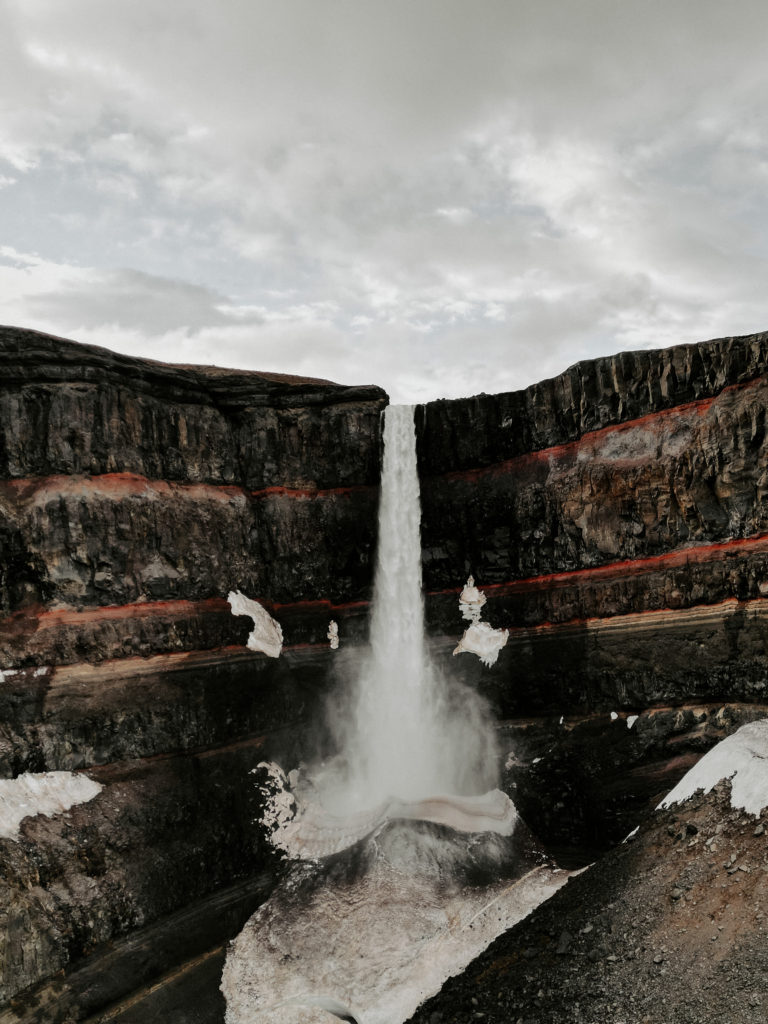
(375,930)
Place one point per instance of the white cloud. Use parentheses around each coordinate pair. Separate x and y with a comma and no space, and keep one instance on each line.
(441,197)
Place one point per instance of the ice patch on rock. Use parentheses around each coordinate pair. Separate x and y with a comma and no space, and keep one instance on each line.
(266,636)
(333,635)
(484,641)
(471,601)
(41,793)
(742,758)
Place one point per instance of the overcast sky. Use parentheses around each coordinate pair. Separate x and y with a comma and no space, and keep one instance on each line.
(439,196)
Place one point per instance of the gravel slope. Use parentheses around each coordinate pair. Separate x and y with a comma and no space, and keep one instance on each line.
(668,928)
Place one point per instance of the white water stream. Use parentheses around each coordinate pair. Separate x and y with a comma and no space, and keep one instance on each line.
(372,931)
(405,732)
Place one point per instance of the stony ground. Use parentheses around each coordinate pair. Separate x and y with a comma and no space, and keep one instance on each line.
(669,928)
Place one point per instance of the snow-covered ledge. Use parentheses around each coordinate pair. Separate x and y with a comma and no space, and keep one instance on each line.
(742,758)
(41,793)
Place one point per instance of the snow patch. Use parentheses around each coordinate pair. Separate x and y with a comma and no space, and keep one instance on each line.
(484,641)
(471,601)
(304,830)
(266,636)
(381,944)
(614,716)
(41,793)
(631,719)
(333,635)
(742,758)
(479,638)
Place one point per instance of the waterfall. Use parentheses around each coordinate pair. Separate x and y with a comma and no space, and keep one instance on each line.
(370,938)
(409,733)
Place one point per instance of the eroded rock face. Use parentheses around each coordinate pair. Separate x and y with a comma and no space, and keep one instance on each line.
(133,497)
(615,518)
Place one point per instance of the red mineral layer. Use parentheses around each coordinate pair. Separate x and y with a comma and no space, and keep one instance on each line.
(116,486)
(655,421)
(126,485)
(323,492)
(628,567)
(42,618)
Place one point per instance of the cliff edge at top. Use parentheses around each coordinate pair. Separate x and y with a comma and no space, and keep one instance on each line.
(134,496)
(72,408)
(616,520)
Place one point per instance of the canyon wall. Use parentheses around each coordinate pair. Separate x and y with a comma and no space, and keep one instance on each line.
(616,519)
(133,497)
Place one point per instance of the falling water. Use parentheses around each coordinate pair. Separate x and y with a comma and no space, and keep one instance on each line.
(412,733)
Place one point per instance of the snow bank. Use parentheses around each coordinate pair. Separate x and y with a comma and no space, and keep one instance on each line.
(266,636)
(44,793)
(372,949)
(306,831)
(742,758)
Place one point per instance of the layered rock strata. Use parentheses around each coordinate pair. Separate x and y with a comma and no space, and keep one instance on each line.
(616,519)
(133,497)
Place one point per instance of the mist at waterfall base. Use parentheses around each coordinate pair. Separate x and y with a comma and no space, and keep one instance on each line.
(406,861)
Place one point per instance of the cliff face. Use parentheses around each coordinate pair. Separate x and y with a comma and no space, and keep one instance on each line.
(133,497)
(616,519)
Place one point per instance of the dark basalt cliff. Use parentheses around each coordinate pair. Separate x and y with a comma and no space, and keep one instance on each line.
(614,516)
(133,497)
(616,519)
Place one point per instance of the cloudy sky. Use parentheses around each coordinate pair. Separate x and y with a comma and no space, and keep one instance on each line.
(440,196)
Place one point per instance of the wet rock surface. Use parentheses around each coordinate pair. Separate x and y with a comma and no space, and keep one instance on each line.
(669,926)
